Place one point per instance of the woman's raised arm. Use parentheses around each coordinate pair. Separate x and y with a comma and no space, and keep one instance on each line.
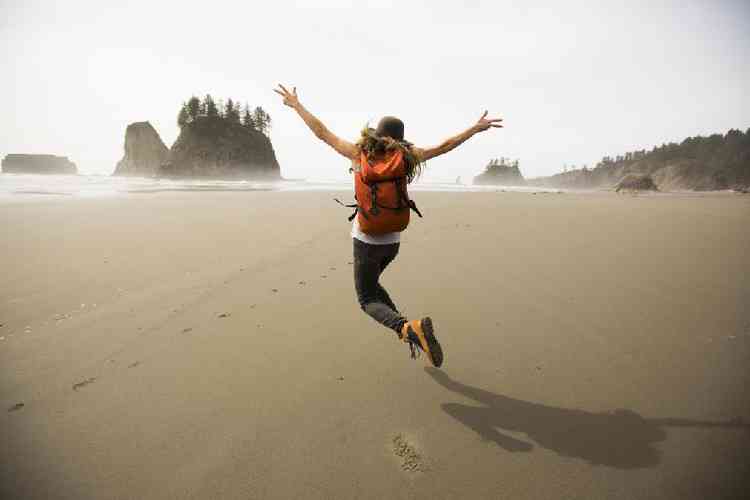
(345,148)
(481,125)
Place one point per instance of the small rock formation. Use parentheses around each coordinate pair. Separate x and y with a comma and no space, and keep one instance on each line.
(38,164)
(211,146)
(144,151)
(635,182)
(501,172)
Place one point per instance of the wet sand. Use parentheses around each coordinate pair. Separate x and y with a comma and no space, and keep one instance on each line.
(209,345)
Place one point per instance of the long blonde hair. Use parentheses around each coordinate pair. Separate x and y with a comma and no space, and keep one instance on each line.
(375,146)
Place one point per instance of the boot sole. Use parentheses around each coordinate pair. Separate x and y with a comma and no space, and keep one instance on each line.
(435,350)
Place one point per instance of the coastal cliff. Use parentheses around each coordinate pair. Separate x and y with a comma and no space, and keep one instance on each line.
(710,163)
(38,164)
(501,172)
(144,151)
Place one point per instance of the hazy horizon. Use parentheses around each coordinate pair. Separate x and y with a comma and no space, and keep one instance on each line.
(573,82)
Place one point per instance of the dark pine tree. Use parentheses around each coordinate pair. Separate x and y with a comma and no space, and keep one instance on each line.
(262,120)
(231,112)
(183,116)
(211,109)
(237,114)
(193,105)
(247,118)
(229,109)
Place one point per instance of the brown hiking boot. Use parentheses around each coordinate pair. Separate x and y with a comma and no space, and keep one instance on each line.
(421,334)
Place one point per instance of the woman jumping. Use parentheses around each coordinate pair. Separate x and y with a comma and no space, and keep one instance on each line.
(383,163)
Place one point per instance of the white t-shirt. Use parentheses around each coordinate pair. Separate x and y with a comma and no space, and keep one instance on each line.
(380,239)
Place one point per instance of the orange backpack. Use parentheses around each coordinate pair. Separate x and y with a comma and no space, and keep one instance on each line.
(382,199)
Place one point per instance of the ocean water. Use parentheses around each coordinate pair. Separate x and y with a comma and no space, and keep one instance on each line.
(36,186)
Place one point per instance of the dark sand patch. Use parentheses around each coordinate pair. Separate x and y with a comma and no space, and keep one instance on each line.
(83,383)
(16,407)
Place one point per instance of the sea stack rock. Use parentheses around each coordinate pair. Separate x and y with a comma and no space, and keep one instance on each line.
(214,147)
(501,172)
(144,151)
(38,164)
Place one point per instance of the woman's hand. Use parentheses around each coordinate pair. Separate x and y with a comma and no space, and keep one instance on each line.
(484,123)
(290,98)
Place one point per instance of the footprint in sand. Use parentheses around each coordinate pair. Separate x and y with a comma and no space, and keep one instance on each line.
(224,315)
(302,283)
(88,381)
(186,330)
(16,407)
(274,290)
(133,365)
(411,459)
(323,276)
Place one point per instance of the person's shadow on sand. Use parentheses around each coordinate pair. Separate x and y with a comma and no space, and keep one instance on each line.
(621,439)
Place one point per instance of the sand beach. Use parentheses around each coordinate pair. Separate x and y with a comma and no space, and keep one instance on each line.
(209,345)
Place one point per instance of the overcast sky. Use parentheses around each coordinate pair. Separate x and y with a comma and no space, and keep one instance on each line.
(573,81)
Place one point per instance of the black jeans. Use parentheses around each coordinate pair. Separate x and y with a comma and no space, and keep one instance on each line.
(369,263)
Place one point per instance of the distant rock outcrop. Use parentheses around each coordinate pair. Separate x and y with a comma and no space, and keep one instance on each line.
(38,164)
(215,147)
(634,182)
(716,162)
(144,151)
(501,172)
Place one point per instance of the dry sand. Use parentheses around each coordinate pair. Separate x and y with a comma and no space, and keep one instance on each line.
(597,346)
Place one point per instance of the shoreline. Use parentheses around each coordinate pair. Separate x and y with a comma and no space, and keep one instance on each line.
(88,186)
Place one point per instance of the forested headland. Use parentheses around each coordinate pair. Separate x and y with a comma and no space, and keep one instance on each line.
(715,162)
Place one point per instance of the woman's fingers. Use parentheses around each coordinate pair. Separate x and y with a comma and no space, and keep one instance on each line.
(279,92)
(485,114)
(284,89)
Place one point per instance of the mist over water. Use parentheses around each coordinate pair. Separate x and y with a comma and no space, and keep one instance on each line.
(25,186)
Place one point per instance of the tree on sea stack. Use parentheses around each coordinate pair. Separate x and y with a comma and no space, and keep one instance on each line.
(262,120)
(183,116)
(231,113)
(247,118)
(194,105)
(211,109)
